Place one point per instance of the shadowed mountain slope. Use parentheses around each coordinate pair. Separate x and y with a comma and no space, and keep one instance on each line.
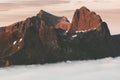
(46,38)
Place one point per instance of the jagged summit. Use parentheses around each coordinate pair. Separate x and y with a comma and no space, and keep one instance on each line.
(54,21)
(41,12)
(85,20)
(46,38)
(83,8)
(37,31)
(49,19)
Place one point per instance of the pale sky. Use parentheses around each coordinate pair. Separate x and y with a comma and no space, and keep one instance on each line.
(16,10)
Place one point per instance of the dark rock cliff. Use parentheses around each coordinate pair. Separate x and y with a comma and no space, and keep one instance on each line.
(46,38)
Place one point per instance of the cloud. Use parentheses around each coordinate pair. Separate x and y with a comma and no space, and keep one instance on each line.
(102,69)
(13,1)
(13,4)
(7,6)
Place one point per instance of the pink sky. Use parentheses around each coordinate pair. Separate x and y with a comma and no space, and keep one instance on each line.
(16,10)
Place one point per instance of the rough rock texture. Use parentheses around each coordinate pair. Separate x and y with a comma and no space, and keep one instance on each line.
(63,24)
(46,38)
(30,41)
(92,35)
(85,20)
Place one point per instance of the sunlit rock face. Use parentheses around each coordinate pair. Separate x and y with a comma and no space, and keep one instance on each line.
(92,34)
(30,41)
(85,20)
(46,38)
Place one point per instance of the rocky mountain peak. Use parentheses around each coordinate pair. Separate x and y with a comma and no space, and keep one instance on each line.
(44,38)
(41,12)
(85,9)
(85,20)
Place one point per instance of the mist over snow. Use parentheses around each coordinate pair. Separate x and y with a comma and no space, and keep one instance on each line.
(102,69)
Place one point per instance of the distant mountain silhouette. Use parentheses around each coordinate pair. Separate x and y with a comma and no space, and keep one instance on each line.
(46,38)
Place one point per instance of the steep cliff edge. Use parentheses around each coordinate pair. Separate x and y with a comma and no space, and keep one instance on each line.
(47,38)
(92,34)
(30,41)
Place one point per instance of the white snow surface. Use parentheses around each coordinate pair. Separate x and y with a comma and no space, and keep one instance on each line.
(102,69)
(74,35)
(20,40)
(14,42)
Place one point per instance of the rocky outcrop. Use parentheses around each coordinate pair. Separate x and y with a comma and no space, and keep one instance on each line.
(84,20)
(46,38)
(30,41)
(92,34)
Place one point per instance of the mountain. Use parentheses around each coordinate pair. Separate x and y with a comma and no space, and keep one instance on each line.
(46,38)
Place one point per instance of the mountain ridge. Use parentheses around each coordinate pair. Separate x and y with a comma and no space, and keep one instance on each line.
(46,38)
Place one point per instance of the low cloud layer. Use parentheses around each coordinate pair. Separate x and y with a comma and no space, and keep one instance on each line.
(104,69)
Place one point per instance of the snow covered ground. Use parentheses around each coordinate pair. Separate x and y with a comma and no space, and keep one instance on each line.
(102,69)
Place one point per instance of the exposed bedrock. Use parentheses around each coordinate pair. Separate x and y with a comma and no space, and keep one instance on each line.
(46,38)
